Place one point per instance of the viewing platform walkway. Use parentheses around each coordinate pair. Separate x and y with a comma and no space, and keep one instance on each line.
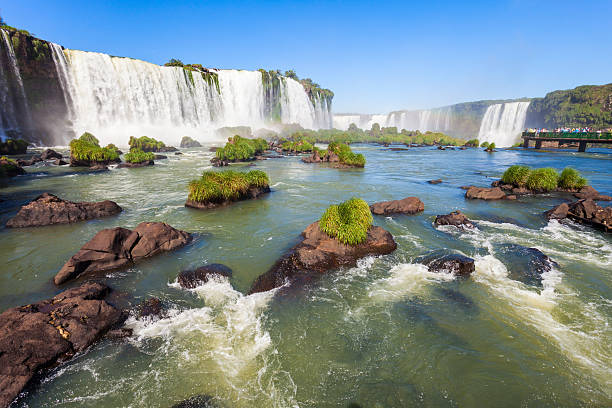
(581,138)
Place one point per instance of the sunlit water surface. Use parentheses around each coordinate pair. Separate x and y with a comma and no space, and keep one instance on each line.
(387,333)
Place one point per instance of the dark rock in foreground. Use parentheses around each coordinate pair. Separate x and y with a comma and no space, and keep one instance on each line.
(585,212)
(10,168)
(47,209)
(454,263)
(151,307)
(408,205)
(194,278)
(119,247)
(38,336)
(252,193)
(197,401)
(318,253)
(483,193)
(49,154)
(60,162)
(455,218)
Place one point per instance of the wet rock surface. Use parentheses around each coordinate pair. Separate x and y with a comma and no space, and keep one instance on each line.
(484,193)
(455,218)
(49,154)
(135,165)
(524,264)
(408,205)
(118,247)
(48,209)
(198,401)
(585,211)
(319,253)
(456,264)
(193,278)
(40,335)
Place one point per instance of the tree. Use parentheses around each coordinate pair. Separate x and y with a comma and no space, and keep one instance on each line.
(291,74)
(353,128)
(174,63)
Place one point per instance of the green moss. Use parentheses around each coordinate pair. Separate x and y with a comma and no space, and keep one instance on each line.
(240,149)
(570,179)
(516,175)
(472,143)
(544,179)
(13,146)
(227,185)
(346,155)
(87,148)
(348,222)
(484,144)
(136,155)
(146,144)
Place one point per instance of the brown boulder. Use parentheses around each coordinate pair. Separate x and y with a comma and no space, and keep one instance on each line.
(40,335)
(482,193)
(194,278)
(10,168)
(408,205)
(590,192)
(437,181)
(48,209)
(318,253)
(134,165)
(49,154)
(455,218)
(150,308)
(558,213)
(118,247)
(454,263)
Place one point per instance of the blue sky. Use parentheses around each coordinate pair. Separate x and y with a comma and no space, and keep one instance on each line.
(376,56)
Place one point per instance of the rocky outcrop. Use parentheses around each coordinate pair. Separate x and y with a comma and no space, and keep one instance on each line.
(74,162)
(118,247)
(319,253)
(251,193)
(47,209)
(217,162)
(49,154)
(134,165)
(29,162)
(483,193)
(582,193)
(10,168)
(451,263)
(150,308)
(455,218)
(584,211)
(408,205)
(193,278)
(589,192)
(187,142)
(40,335)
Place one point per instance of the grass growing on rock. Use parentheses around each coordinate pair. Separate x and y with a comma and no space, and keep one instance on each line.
(138,156)
(544,179)
(239,148)
(146,144)
(346,155)
(516,175)
(87,148)
(348,222)
(227,185)
(571,179)
(13,146)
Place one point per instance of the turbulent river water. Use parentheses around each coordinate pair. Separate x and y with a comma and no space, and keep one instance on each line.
(387,333)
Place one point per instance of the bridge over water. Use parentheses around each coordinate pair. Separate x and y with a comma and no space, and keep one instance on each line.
(581,138)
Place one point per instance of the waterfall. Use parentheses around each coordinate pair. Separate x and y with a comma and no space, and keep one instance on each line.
(503,123)
(63,75)
(435,120)
(13,98)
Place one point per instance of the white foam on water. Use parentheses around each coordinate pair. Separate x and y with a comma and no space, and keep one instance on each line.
(578,330)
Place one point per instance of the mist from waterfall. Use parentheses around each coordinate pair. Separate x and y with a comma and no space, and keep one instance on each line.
(435,120)
(503,123)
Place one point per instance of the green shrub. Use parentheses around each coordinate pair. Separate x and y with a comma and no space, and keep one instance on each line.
(227,185)
(87,148)
(348,222)
(570,179)
(472,143)
(138,156)
(516,175)
(13,146)
(146,144)
(544,179)
(239,148)
(484,144)
(491,146)
(346,155)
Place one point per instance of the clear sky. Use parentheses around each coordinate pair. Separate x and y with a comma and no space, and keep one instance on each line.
(376,56)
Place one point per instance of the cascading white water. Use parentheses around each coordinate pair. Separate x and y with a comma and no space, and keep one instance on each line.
(502,123)
(423,120)
(295,105)
(63,75)
(12,106)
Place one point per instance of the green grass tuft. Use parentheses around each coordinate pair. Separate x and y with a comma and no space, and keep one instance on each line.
(516,175)
(227,185)
(146,144)
(544,179)
(138,156)
(87,148)
(240,149)
(348,222)
(571,179)
(346,155)
(13,146)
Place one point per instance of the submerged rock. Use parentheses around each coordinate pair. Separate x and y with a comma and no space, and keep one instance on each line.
(318,253)
(437,181)
(456,264)
(408,205)
(455,218)
(187,142)
(483,193)
(197,401)
(48,209)
(151,307)
(193,278)
(118,247)
(37,336)
(524,264)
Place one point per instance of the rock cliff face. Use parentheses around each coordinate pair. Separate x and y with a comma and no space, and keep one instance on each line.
(27,69)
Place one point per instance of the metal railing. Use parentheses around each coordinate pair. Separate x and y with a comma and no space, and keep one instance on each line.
(569,135)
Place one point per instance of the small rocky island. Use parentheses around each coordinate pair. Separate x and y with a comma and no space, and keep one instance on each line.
(187,142)
(138,158)
(339,154)
(218,188)
(343,235)
(239,149)
(86,152)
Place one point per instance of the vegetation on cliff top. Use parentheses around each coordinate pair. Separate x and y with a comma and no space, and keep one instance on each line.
(136,155)
(348,222)
(227,185)
(543,179)
(241,149)
(13,146)
(146,144)
(87,148)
